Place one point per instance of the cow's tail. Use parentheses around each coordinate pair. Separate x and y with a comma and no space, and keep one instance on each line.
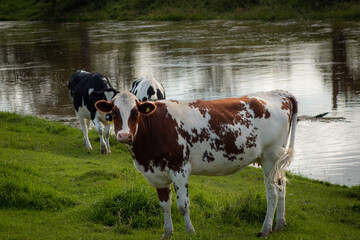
(284,160)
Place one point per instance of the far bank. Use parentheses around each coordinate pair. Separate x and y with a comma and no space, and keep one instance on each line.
(96,10)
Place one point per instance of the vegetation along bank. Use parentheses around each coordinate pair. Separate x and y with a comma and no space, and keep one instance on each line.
(90,10)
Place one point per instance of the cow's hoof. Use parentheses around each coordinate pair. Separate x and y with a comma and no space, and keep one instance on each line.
(263,235)
(166,235)
(279,226)
(104,150)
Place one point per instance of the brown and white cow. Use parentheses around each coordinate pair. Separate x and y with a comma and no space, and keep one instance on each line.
(169,140)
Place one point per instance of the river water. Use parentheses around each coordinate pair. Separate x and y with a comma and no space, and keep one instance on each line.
(319,62)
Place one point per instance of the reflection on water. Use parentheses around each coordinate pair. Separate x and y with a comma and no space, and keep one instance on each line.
(319,62)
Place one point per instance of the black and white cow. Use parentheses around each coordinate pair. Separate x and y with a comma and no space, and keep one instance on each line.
(148,89)
(85,89)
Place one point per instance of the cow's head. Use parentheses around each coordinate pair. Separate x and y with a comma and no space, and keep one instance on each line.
(126,111)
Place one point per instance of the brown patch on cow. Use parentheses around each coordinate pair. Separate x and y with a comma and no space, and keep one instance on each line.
(198,104)
(117,118)
(286,104)
(259,108)
(163,194)
(208,157)
(155,145)
(251,140)
(289,104)
(225,114)
(133,120)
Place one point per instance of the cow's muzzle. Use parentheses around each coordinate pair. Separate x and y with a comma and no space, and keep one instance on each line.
(124,137)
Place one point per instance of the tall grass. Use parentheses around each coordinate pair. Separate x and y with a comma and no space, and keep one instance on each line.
(136,207)
(18,195)
(250,208)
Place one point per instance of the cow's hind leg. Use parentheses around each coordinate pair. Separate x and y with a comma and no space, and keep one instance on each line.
(280,212)
(164,195)
(268,166)
(99,129)
(180,181)
(84,128)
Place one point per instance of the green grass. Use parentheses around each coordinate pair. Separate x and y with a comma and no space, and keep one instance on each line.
(88,10)
(51,187)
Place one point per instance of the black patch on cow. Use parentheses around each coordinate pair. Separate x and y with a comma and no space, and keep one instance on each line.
(208,157)
(160,95)
(134,85)
(150,91)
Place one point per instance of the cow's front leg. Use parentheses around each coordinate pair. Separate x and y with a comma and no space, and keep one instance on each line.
(180,181)
(164,195)
(107,137)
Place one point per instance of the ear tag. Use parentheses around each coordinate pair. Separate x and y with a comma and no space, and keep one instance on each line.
(147,110)
(110,122)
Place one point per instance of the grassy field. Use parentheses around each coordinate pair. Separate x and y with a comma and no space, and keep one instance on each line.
(86,10)
(51,187)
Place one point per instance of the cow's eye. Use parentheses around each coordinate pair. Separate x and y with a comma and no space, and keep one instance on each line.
(135,114)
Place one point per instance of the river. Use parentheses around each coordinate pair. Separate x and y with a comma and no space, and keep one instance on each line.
(317,61)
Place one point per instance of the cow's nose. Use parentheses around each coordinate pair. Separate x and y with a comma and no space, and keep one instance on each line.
(124,137)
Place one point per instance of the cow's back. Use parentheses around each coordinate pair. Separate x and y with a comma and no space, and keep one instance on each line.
(218,137)
(82,83)
(148,89)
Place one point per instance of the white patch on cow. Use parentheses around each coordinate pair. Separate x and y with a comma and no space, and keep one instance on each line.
(136,129)
(125,101)
(187,117)
(83,111)
(90,91)
(158,178)
(108,95)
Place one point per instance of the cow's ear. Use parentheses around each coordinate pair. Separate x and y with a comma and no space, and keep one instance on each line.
(104,106)
(146,107)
